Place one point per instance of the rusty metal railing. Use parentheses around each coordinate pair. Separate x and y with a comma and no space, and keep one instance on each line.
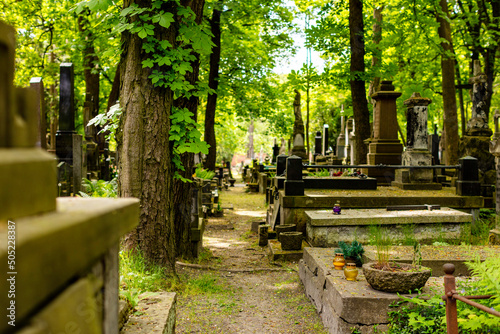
(451,297)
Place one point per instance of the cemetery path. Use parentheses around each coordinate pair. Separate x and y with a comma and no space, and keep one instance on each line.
(243,292)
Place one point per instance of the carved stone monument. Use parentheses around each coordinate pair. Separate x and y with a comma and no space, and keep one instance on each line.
(385,147)
(476,141)
(417,151)
(70,148)
(298,148)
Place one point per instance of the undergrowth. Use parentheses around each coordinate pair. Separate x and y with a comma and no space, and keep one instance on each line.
(428,315)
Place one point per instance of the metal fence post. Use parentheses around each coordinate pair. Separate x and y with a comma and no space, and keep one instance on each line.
(451,303)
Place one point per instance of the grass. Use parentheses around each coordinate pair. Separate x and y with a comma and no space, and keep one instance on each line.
(137,275)
(207,284)
(381,239)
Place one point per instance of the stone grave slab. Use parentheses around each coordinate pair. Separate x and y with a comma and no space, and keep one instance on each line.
(157,314)
(344,305)
(324,229)
(339,182)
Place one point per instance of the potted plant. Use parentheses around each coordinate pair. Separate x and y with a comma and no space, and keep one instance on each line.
(390,276)
(218,211)
(353,252)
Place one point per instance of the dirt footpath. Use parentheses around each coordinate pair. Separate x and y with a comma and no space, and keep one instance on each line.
(245,293)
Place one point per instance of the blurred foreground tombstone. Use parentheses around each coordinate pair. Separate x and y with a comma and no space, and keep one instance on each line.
(61,256)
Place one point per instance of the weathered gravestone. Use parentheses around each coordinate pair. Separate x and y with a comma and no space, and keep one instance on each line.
(70,148)
(476,141)
(416,153)
(36,84)
(325,139)
(318,143)
(433,142)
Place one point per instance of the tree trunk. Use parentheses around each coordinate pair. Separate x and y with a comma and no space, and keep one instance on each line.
(213,83)
(377,37)
(489,55)
(183,200)
(145,167)
(90,62)
(358,94)
(448,85)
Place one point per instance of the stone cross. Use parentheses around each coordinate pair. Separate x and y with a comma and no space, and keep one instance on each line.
(26,172)
(17,115)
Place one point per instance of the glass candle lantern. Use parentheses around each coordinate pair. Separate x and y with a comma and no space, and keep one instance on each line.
(338,261)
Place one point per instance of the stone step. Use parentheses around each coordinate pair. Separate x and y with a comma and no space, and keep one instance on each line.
(155,314)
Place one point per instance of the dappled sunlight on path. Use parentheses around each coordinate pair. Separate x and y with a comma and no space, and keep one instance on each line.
(212,242)
(250,213)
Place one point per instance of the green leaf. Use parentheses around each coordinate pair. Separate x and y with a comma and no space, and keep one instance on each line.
(166,19)
(148,63)
(143,33)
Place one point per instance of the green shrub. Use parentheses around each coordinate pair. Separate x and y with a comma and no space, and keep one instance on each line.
(416,315)
(99,188)
(204,173)
(354,250)
(321,173)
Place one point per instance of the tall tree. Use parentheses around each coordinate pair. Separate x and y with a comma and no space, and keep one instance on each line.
(183,200)
(157,54)
(358,93)
(448,84)
(213,83)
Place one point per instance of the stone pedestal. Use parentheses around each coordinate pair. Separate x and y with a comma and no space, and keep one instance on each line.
(294,184)
(385,147)
(468,177)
